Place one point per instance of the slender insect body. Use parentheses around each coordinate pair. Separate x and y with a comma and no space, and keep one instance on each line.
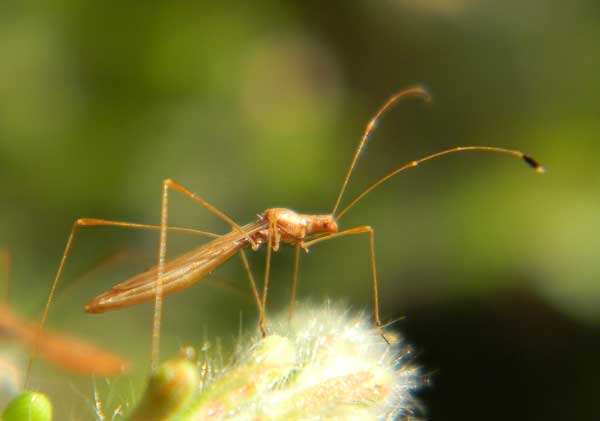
(279,224)
(274,226)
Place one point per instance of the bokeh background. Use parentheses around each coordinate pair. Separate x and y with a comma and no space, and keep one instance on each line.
(492,268)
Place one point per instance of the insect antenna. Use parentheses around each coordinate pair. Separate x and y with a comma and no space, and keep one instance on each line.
(416,91)
(518,154)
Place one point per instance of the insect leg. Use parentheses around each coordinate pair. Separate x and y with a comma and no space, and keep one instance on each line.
(295,279)
(162,254)
(171,184)
(261,310)
(262,317)
(85,222)
(364,229)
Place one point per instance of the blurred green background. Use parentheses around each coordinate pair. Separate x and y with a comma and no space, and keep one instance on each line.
(254,105)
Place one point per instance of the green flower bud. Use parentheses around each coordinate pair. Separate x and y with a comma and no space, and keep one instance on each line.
(169,391)
(28,406)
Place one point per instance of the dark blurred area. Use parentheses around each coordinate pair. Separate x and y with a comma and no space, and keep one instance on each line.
(511,357)
(492,267)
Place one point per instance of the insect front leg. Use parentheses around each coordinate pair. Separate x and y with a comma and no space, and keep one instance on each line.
(299,245)
(274,233)
(365,229)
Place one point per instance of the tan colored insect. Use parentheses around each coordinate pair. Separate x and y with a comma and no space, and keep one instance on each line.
(63,351)
(273,226)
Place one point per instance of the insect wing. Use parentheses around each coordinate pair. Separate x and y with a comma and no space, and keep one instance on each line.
(178,273)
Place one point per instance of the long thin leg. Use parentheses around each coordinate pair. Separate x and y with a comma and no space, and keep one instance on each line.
(360,230)
(261,310)
(162,254)
(295,280)
(86,222)
(261,320)
(171,184)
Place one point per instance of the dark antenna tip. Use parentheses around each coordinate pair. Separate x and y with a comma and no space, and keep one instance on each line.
(533,164)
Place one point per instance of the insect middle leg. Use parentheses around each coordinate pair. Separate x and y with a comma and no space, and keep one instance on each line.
(162,255)
(273,236)
(364,229)
(261,310)
(171,184)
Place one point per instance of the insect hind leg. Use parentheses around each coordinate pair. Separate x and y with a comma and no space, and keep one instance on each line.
(87,222)
(162,254)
